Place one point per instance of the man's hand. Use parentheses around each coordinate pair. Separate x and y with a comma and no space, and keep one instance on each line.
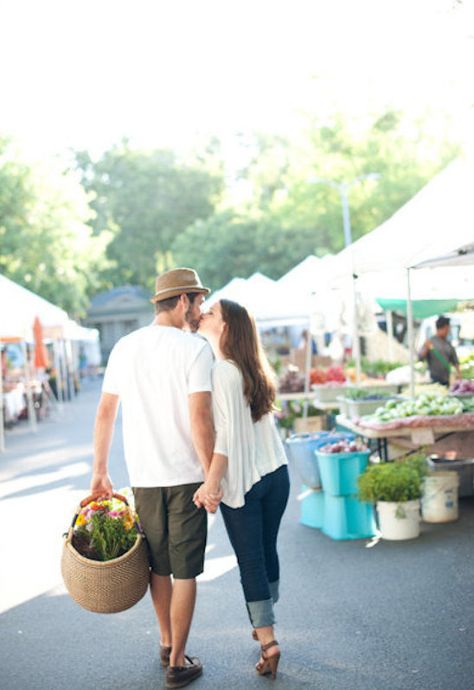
(101,486)
(208,497)
(425,349)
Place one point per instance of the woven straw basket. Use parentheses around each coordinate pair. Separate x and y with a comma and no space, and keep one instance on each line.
(105,586)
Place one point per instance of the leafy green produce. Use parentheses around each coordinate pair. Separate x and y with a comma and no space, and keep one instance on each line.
(467,404)
(365,394)
(426,404)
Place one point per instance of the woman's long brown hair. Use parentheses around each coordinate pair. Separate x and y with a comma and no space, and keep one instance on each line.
(241,344)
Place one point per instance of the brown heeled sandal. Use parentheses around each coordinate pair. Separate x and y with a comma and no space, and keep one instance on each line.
(268,664)
(254,635)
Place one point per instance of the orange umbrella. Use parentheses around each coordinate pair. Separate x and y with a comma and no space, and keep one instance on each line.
(41,356)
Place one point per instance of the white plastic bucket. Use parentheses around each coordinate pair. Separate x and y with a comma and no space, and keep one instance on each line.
(439,502)
(399,520)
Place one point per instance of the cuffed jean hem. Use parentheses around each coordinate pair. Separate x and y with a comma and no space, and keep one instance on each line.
(274,590)
(261,613)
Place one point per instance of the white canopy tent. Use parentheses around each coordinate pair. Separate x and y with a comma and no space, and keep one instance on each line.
(437,221)
(436,225)
(270,303)
(463,256)
(19,308)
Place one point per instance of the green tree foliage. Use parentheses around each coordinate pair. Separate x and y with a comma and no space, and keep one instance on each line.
(288,213)
(45,242)
(230,244)
(146,199)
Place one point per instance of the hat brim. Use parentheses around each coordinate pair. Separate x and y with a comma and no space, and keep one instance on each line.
(175,291)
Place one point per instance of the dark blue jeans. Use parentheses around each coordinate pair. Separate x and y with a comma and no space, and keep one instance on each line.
(253,531)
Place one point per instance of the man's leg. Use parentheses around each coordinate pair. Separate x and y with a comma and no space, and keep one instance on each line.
(182,609)
(161,592)
(187,544)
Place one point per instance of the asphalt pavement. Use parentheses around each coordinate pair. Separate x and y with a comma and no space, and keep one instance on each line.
(353,615)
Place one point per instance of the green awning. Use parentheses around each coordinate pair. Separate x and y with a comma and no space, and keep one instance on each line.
(422,308)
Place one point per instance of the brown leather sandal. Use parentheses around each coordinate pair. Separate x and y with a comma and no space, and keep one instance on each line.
(254,635)
(268,664)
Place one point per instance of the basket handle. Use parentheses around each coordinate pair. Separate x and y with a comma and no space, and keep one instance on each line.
(89,499)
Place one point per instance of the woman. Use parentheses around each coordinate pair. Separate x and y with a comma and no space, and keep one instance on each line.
(249,465)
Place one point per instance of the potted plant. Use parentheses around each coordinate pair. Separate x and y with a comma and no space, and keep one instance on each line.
(395,488)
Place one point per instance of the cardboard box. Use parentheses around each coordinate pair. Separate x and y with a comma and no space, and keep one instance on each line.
(309,425)
(298,359)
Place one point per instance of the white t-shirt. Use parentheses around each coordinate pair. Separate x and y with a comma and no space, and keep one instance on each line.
(253,449)
(153,370)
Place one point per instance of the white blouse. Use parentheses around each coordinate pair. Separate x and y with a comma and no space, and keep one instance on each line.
(253,449)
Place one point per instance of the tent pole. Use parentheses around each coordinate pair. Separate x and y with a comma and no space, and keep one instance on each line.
(307,368)
(389,322)
(28,389)
(355,330)
(59,378)
(2,428)
(411,343)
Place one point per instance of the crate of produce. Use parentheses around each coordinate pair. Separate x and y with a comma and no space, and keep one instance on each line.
(328,392)
(462,388)
(342,401)
(366,406)
(340,465)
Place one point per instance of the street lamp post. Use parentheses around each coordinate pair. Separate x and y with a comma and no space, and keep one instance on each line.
(343,189)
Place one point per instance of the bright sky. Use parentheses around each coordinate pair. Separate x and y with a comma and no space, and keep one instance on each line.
(84,74)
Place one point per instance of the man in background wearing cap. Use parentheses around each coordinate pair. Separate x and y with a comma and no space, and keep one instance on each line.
(440,354)
(162,376)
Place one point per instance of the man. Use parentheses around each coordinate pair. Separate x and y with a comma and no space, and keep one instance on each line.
(162,377)
(440,354)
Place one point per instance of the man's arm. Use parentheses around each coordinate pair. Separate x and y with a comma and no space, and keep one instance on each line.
(202,427)
(453,357)
(101,485)
(210,494)
(425,349)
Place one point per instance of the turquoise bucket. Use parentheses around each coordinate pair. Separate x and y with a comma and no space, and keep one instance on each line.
(339,472)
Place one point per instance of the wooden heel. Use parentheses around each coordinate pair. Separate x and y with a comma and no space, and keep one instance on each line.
(268,665)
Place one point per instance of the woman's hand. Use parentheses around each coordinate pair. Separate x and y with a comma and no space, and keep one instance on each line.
(208,496)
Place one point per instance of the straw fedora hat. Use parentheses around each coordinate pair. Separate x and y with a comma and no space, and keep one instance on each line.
(176,282)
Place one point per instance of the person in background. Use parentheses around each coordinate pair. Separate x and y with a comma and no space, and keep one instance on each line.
(440,354)
(162,377)
(249,465)
(306,337)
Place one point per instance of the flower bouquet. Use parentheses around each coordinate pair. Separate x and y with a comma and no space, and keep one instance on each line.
(104,530)
(105,560)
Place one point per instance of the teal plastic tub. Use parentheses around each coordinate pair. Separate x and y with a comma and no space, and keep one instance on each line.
(339,471)
(345,517)
(312,509)
(301,449)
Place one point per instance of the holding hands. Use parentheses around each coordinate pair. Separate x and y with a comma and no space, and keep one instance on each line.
(208,496)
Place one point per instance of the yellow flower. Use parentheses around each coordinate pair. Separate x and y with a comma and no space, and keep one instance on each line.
(128,522)
(81,520)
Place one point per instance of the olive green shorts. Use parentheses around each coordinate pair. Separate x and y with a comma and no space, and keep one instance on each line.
(176,531)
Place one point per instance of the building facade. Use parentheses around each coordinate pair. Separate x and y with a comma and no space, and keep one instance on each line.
(117,312)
